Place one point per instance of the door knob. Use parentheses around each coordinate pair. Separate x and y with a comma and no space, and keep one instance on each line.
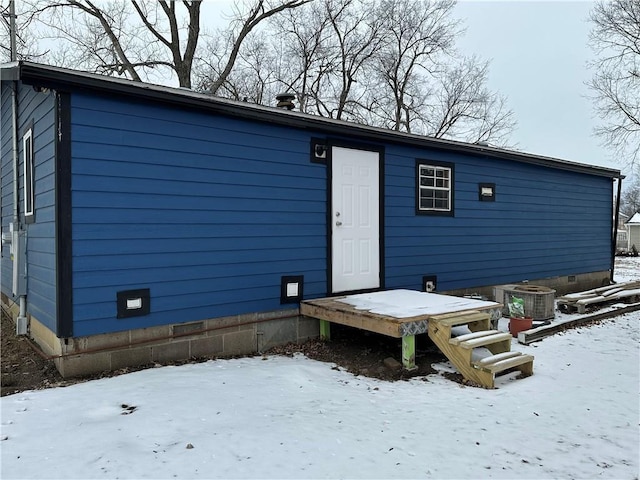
(338,223)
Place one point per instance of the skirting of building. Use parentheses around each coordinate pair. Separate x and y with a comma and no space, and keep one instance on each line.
(219,337)
(562,285)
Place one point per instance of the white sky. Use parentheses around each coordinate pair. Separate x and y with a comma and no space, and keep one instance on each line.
(539,57)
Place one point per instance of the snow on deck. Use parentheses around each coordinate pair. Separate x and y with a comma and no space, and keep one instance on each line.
(411,303)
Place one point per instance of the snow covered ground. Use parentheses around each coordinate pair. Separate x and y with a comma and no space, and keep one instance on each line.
(278,417)
(627,269)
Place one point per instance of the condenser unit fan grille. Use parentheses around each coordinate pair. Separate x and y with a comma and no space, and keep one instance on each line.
(539,301)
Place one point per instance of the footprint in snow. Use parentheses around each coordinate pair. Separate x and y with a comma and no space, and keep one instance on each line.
(127,409)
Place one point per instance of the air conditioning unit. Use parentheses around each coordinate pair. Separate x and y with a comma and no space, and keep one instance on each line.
(539,302)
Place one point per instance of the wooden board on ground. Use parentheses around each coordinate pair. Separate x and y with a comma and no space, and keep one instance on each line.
(628,292)
(536,334)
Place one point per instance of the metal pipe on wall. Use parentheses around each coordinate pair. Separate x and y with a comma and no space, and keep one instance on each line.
(616,218)
(12,30)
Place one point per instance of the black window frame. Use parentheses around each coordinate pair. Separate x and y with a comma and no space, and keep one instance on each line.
(28,179)
(422,163)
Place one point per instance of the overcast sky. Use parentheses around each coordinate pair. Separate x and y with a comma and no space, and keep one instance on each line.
(539,53)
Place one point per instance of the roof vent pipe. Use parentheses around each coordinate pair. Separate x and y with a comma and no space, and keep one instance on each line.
(285,100)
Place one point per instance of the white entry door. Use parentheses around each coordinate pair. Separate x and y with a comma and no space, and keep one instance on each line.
(355,219)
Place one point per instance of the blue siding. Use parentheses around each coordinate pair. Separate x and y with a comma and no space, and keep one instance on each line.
(38,108)
(544,223)
(6,187)
(207,212)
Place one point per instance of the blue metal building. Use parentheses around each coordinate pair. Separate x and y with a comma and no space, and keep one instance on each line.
(140,207)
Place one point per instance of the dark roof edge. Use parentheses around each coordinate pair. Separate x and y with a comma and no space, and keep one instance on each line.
(57,77)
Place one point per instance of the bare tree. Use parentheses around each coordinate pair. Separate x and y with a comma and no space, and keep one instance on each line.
(143,38)
(378,62)
(418,34)
(466,109)
(389,64)
(630,199)
(214,75)
(358,34)
(253,79)
(615,38)
(302,37)
(324,50)
(26,45)
(182,62)
(123,38)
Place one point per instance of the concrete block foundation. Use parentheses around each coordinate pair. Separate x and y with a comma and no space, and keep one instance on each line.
(209,338)
(562,285)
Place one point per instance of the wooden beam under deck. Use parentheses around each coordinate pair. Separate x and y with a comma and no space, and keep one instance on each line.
(333,310)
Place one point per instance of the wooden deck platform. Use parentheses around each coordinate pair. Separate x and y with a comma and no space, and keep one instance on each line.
(395,313)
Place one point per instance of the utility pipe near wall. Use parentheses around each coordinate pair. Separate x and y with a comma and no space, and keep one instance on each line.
(21,323)
(616,217)
(14,113)
(12,31)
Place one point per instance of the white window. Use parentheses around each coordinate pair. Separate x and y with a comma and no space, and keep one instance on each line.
(435,188)
(27,152)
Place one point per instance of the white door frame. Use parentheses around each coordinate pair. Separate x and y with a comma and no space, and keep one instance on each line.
(355,219)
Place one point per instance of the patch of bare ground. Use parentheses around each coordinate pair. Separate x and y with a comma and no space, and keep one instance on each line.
(22,367)
(364,353)
(353,350)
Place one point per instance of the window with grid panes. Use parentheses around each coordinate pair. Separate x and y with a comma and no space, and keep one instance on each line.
(435,184)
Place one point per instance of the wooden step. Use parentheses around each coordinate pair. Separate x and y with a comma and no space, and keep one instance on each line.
(471,336)
(484,340)
(520,360)
(497,358)
(460,349)
(454,319)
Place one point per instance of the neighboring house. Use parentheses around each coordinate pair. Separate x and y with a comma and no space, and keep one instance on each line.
(633,230)
(622,240)
(144,223)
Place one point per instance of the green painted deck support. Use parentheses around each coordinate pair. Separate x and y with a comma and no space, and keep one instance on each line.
(325,330)
(409,352)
